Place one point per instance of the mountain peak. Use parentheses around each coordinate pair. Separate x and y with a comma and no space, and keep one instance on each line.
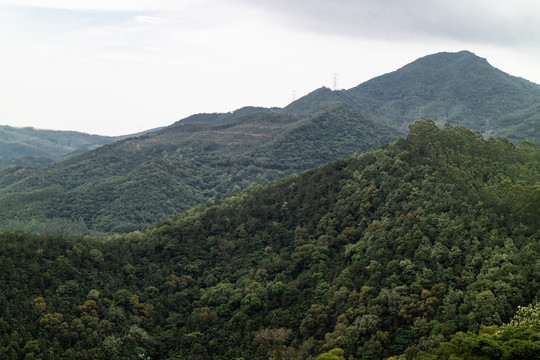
(448,58)
(321,97)
(459,88)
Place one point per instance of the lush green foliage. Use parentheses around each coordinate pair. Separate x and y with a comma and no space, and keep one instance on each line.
(385,253)
(125,185)
(519,339)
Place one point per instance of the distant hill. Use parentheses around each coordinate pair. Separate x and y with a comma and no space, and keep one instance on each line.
(456,88)
(32,147)
(385,253)
(221,118)
(127,184)
(19,145)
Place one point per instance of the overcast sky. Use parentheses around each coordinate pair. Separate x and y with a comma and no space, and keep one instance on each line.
(116,67)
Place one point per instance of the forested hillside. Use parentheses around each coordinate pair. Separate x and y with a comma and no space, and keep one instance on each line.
(33,147)
(125,185)
(385,253)
(456,88)
(518,339)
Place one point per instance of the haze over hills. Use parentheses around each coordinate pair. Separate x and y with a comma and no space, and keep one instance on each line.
(33,147)
(385,253)
(128,184)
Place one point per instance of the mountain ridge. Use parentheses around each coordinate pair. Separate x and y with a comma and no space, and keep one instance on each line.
(469,92)
(125,185)
(150,177)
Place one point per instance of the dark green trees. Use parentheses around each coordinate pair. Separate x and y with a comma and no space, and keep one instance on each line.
(387,253)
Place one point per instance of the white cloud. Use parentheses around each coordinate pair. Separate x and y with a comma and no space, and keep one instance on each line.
(147,19)
(481,21)
(134,65)
(106,5)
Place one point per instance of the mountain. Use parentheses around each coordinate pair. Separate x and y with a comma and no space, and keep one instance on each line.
(456,88)
(134,182)
(385,253)
(32,147)
(127,184)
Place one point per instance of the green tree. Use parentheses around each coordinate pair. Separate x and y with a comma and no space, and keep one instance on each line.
(334,354)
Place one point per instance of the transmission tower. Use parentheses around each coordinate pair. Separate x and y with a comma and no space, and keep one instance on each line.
(335,75)
(487,129)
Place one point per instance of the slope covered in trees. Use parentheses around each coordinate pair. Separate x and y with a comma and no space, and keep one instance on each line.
(33,147)
(125,185)
(518,339)
(456,88)
(386,253)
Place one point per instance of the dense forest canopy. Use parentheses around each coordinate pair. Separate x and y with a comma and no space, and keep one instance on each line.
(422,248)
